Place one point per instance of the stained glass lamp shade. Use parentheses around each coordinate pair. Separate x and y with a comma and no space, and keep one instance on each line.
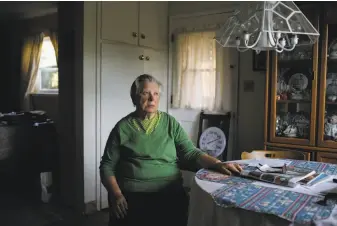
(267,25)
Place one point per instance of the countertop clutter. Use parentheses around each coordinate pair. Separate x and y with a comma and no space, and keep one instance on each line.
(34,118)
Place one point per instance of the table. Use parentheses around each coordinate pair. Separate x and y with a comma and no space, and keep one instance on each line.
(207,198)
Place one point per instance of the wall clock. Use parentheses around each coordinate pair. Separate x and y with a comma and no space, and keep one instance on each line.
(213,141)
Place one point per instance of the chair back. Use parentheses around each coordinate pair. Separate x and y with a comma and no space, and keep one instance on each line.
(255,154)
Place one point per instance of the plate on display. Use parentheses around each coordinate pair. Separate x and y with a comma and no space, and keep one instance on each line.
(298,81)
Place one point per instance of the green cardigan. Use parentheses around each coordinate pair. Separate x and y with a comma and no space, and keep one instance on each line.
(147,162)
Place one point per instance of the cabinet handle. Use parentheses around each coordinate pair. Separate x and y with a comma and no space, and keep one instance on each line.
(135,34)
(147,58)
(141,57)
(142,36)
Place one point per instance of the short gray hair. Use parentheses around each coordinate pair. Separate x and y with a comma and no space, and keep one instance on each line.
(138,84)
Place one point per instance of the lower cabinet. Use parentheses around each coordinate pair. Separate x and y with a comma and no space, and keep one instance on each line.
(327,157)
(315,155)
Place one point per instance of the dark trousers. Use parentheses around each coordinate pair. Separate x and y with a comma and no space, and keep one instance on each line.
(162,209)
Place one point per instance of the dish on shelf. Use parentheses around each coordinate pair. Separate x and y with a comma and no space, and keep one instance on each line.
(290,131)
(330,77)
(333,50)
(330,130)
(298,82)
(331,87)
(296,125)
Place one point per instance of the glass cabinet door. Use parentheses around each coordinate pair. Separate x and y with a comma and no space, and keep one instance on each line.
(293,95)
(327,131)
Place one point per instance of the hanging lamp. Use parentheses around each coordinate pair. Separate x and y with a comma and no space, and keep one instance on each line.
(267,25)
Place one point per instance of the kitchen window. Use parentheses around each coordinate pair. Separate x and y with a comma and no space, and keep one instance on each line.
(197,81)
(47,80)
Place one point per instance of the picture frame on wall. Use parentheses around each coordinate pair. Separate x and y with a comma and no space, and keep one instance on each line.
(259,61)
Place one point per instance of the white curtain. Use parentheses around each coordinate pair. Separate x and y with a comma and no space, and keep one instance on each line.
(198,72)
(31,53)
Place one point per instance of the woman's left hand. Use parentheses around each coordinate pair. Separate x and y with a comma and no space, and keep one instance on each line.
(227,168)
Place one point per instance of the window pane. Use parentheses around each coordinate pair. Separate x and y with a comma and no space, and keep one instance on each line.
(49,79)
(195,74)
(48,58)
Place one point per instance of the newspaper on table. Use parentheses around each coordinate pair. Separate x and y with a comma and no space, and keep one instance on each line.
(284,176)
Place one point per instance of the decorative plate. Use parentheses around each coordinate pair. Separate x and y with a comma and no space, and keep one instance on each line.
(298,82)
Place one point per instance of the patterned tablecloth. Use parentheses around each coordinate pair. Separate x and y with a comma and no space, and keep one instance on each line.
(293,206)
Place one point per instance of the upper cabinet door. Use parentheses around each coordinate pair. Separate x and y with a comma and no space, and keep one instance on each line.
(327,130)
(120,21)
(153,25)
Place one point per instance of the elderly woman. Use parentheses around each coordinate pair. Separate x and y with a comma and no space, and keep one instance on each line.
(139,166)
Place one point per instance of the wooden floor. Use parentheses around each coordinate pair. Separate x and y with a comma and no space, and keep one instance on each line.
(16,211)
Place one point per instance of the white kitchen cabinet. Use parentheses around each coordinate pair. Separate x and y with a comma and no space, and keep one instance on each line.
(120,67)
(137,23)
(120,21)
(153,24)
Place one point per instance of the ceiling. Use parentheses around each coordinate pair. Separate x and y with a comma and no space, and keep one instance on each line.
(25,10)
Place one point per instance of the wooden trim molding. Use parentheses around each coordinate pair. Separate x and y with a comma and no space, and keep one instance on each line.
(321,142)
(304,147)
(314,91)
(266,93)
(273,86)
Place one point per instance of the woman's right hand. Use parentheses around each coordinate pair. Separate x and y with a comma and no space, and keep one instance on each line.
(119,206)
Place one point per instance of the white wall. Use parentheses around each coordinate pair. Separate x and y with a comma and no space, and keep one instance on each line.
(90,161)
(186,7)
(251,107)
(250,104)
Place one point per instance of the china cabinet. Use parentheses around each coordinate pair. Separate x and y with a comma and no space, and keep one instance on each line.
(301,91)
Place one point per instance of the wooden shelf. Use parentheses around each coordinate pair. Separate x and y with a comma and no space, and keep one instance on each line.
(331,103)
(294,102)
(299,147)
(295,63)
